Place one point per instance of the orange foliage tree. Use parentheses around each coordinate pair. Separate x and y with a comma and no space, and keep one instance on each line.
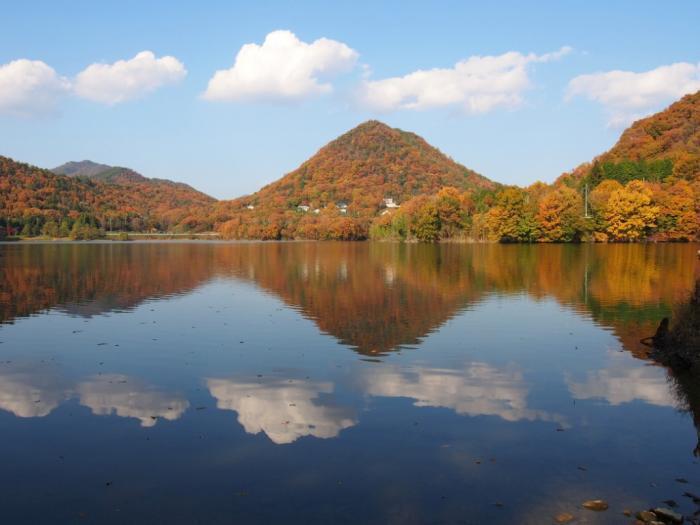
(630,213)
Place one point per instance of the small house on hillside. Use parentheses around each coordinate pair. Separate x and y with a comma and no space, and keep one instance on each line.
(303,208)
(250,207)
(389,203)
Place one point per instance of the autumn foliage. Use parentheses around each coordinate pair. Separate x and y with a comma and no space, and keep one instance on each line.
(383,183)
(35,201)
(338,192)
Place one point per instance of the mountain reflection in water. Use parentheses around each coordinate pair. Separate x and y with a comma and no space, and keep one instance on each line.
(404,375)
(374,297)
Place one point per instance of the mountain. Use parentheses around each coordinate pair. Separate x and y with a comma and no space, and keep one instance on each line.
(32,199)
(369,163)
(355,184)
(655,148)
(118,175)
(672,134)
(85,168)
(351,176)
(123,176)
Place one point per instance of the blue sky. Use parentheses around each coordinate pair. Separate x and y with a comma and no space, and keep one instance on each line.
(539,111)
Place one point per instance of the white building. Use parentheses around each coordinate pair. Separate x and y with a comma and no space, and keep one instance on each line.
(250,207)
(303,208)
(389,203)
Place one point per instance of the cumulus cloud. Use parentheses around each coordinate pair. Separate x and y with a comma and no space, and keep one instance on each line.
(478,84)
(627,96)
(283,410)
(282,68)
(29,87)
(128,79)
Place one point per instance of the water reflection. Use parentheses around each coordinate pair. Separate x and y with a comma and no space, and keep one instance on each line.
(28,391)
(118,394)
(479,389)
(686,388)
(679,350)
(91,279)
(31,391)
(373,297)
(618,384)
(285,410)
(436,380)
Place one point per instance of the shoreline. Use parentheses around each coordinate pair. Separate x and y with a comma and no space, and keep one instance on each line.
(216,238)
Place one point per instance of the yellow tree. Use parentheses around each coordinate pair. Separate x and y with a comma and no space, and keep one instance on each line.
(559,215)
(512,219)
(598,202)
(426,226)
(453,209)
(630,213)
(678,218)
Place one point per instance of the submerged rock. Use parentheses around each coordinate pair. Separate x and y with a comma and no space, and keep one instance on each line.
(668,516)
(646,516)
(564,517)
(597,505)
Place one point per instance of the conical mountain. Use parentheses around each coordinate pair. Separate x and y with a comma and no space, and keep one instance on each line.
(337,192)
(367,164)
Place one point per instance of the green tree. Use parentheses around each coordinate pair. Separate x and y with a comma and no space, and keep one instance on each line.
(65,228)
(50,229)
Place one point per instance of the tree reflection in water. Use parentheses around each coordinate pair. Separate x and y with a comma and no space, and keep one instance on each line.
(373,297)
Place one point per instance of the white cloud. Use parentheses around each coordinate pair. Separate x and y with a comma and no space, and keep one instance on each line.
(477,84)
(627,95)
(283,410)
(29,87)
(128,79)
(282,68)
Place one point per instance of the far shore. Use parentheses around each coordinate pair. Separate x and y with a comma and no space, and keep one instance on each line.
(124,237)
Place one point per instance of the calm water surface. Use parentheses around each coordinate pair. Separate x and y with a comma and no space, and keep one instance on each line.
(339,383)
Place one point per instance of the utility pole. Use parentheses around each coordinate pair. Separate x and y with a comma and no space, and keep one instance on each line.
(585,208)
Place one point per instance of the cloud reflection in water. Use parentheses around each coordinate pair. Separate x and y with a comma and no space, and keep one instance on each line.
(479,389)
(285,410)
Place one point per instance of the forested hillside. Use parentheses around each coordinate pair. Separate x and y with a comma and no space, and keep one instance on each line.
(647,187)
(384,183)
(340,190)
(35,201)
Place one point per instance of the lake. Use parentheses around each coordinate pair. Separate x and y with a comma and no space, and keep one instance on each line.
(208,382)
